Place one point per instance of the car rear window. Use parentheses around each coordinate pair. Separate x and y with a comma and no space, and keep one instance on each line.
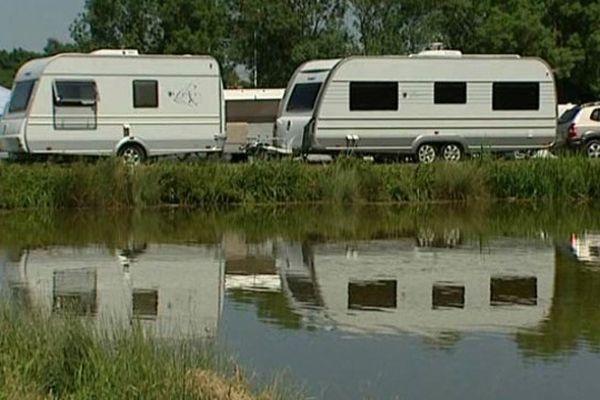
(569,115)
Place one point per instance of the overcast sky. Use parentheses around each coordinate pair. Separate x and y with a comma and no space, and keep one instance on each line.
(29,23)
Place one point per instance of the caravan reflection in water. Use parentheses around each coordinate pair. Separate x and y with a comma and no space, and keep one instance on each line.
(395,286)
(176,290)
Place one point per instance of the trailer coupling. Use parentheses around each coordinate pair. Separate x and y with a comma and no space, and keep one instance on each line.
(257,147)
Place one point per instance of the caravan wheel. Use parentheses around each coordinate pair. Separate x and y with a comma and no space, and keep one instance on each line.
(426,154)
(132,154)
(452,153)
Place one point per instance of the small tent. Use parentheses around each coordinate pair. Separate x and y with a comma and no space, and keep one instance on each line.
(4,98)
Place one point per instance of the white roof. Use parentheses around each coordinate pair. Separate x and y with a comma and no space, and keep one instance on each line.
(107,61)
(4,98)
(254,94)
(319,65)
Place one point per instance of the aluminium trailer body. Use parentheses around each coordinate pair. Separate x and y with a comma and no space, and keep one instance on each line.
(431,105)
(107,102)
(297,106)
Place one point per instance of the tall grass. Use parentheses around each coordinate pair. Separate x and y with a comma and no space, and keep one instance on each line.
(109,184)
(44,357)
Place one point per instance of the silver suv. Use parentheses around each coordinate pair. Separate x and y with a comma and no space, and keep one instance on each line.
(579,129)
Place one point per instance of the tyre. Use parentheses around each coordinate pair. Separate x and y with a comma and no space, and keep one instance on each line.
(452,152)
(592,149)
(132,154)
(426,154)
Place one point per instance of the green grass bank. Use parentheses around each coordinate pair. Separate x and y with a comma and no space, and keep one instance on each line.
(59,357)
(109,184)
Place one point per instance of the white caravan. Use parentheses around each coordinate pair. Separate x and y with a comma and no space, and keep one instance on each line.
(116,102)
(393,286)
(436,104)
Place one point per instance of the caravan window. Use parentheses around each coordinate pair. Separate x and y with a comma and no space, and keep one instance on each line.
(75,105)
(304,96)
(516,96)
(373,96)
(75,93)
(370,295)
(21,96)
(450,93)
(145,94)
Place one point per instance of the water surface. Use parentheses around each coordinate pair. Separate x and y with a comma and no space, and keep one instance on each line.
(439,302)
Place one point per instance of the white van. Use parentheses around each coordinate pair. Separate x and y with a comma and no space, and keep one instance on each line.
(437,104)
(116,102)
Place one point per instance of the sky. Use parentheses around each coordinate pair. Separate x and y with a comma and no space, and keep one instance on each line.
(29,23)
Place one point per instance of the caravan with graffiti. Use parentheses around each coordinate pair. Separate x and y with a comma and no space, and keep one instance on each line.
(116,102)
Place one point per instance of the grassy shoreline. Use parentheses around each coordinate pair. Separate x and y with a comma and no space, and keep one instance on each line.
(110,185)
(61,357)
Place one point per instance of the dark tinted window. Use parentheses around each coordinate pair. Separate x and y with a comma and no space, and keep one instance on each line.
(373,96)
(145,304)
(569,115)
(304,96)
(450,93)
(75,93)
(21,96)
(516,96)
(372,295)
(304,291)
(595,115)
(514,291)
(145,94)
(448,296)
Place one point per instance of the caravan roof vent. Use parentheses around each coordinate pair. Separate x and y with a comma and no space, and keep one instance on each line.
(116,52)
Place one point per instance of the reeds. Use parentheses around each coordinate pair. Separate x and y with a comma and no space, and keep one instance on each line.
(61,357)
(109,184)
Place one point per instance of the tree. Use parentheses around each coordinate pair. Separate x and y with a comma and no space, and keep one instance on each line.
(11,61)
(198,27)
(575,24)
(195,27)
(119,24)
(271,38)
(394,27)
(54,46)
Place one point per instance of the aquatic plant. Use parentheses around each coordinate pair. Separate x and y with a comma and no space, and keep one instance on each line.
(62,357)
(109,184)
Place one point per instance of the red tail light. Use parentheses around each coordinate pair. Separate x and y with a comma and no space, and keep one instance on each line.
(572,133)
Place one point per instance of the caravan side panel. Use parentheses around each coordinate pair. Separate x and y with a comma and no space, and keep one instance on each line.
(474,124)
(181,111)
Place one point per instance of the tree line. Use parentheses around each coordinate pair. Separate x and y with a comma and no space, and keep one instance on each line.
(263,41)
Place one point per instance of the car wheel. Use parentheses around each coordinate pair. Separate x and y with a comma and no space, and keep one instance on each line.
(452,153)
(132,154)
(426,154)
(593,149)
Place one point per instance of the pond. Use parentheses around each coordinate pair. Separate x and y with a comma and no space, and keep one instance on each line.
(453,302)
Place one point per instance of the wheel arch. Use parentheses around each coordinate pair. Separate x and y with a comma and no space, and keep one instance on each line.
(131,141)
(439,141)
